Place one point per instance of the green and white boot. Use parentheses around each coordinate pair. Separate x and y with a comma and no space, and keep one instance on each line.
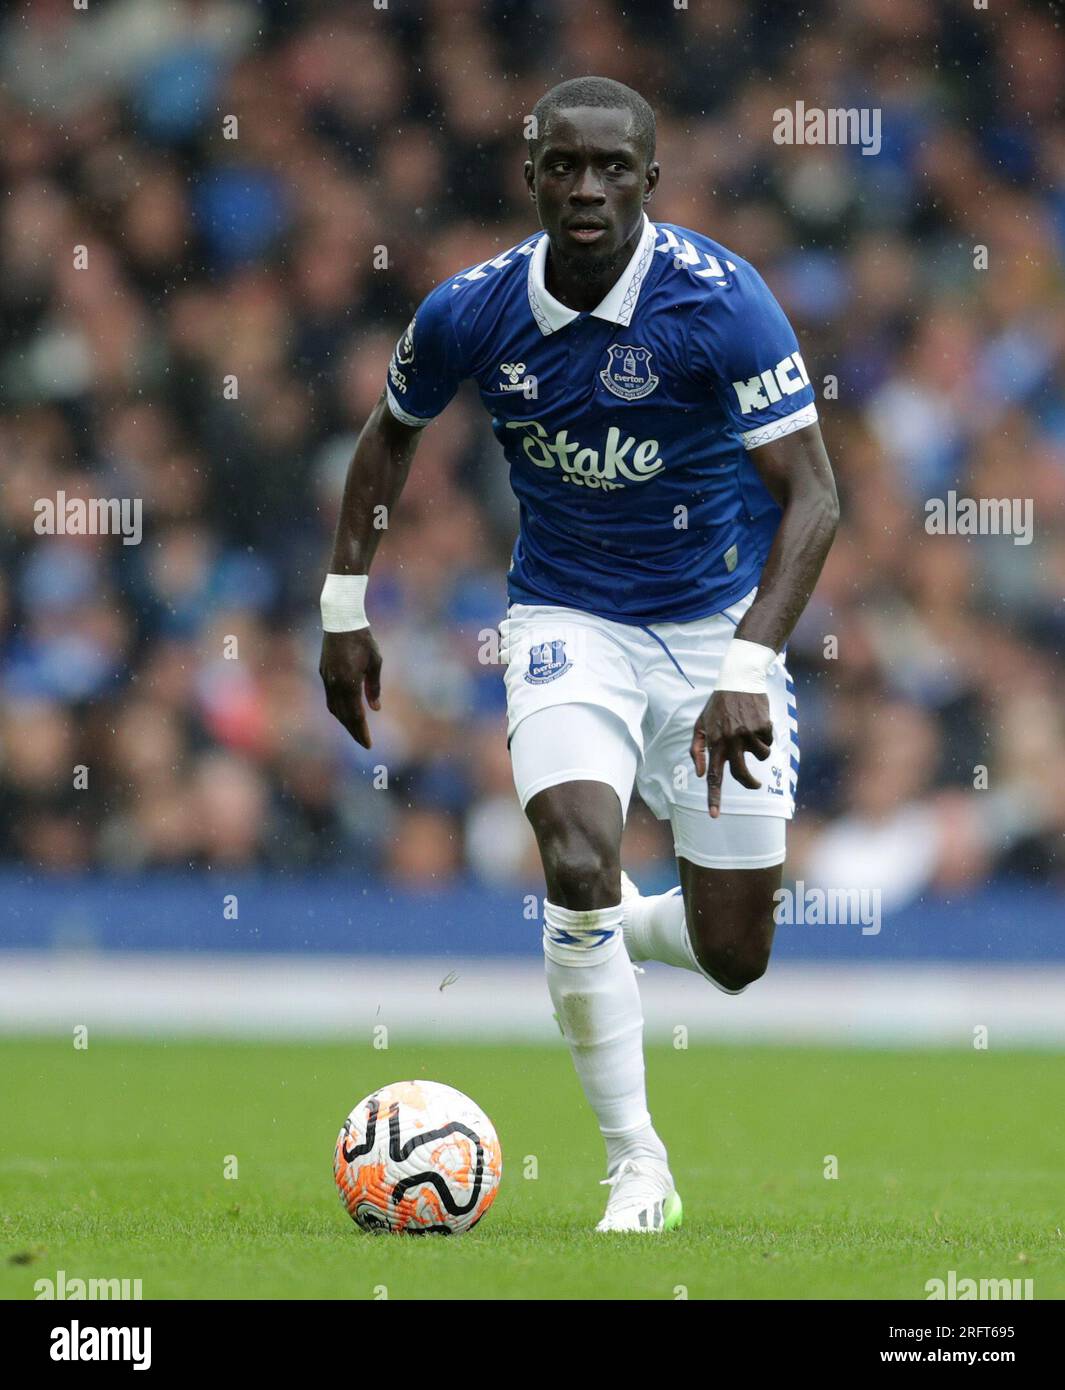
(642,1198)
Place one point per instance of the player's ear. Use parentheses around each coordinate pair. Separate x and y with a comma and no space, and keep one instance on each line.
(527,169)
(651,180)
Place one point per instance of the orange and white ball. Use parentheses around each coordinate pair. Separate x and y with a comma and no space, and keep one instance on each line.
(417,1157)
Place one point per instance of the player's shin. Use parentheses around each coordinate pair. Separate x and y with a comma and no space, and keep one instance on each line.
(597,1001)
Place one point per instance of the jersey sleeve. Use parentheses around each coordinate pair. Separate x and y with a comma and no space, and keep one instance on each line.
(745,348)
(426,366)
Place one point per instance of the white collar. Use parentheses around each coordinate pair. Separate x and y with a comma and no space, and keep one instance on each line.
(618,303)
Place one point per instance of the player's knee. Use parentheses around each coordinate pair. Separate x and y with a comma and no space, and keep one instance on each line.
(582,875)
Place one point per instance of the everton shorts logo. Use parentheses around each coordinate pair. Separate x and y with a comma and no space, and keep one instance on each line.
(547,661)
(628,372)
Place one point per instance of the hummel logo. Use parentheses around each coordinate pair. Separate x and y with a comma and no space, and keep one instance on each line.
(517,380)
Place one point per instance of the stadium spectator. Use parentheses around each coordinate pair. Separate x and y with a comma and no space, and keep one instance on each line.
(230,331)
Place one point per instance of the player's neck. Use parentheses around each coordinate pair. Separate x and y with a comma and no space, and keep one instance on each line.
(581,286)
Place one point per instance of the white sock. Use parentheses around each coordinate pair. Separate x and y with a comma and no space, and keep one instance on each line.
(597,1001)
(657,929)
(641,1143)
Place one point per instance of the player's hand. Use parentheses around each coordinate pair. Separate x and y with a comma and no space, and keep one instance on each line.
(731,725)
(350,661)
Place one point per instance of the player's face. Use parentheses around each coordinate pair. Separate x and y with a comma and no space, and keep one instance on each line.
(590,181)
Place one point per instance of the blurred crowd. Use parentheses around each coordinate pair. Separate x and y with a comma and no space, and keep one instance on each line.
(262,193)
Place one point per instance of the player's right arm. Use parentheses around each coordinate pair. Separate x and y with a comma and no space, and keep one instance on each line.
(351,661)
(424,374)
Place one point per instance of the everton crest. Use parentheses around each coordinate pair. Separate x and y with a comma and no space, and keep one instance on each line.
(547,661)
(628,372)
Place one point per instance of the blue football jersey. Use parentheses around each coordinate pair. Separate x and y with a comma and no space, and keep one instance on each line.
(626,428)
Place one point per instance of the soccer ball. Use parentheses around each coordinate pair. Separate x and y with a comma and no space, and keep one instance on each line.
(417,1157)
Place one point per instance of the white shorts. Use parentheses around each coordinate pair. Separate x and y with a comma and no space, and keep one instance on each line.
(651,683)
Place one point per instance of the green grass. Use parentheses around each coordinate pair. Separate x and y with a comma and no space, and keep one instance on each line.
(111,1165)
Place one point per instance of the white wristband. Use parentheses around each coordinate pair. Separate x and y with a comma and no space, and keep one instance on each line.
(745,667)
(343,602)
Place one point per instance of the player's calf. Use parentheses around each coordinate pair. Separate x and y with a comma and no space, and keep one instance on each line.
(730,921)
(732,966)
(717,923)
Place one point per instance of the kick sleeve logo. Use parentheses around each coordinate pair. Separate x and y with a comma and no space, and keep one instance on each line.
(761,391)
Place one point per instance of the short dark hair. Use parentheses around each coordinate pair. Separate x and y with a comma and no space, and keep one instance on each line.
(595,91)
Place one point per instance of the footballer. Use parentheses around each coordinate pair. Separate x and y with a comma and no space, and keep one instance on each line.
(676,508)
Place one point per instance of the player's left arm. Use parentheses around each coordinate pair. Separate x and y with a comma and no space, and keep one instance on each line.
(745,348)
(736,721)
(798,476)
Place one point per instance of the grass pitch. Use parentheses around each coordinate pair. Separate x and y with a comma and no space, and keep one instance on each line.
(112,1166)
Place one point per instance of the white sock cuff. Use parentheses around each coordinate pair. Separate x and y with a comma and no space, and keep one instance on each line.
(572,937)
(636,1128)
